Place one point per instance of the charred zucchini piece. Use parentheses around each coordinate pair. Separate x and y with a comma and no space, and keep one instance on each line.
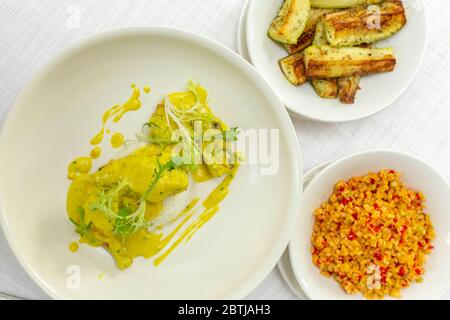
(293,68)
(330,62)
(291,21)
(364,25)
(306,39)
(325,88)
(347,88)
(320,38)
(342,4)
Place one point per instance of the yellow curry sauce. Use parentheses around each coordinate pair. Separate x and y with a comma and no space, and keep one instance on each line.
(120,206)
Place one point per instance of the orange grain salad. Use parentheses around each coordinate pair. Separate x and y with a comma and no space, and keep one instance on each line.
(372,235)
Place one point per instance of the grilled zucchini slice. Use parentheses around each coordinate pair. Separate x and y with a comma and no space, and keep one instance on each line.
(294,69)
(330,62)
(357,26)
(325,88)
(306,39)
(347,89)
(342,4)
(291,21)
(320,38)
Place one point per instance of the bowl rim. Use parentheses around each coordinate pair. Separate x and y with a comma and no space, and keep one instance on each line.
(292,247)
(297,113)
(217,48)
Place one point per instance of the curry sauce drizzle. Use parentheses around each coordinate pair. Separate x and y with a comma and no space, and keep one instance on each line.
(211,205)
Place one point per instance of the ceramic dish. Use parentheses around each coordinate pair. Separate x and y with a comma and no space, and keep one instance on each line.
(284,265)
(52,122)
(416,174)
(378,91)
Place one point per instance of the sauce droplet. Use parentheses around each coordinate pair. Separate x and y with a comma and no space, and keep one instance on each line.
(117,140)
(78,166)
(73,246)
(116,113)
(96,152)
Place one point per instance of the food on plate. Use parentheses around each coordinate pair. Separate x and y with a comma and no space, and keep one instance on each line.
(358,26)
(294,69)
(306,39)
(330,62)
(121,206)
(347,87)
(372,235)
(325,88)
(290,22)
(337,41)
(342,4)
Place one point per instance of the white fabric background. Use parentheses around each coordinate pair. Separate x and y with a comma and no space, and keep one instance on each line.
(33,31)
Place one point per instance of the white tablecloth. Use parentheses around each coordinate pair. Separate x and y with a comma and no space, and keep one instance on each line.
(33,31)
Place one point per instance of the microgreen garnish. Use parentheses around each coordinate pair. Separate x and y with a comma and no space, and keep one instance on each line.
(81,227)
(127,222)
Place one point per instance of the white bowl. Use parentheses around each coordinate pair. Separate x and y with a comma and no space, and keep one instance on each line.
(416,174)
(59,111)
(377,91)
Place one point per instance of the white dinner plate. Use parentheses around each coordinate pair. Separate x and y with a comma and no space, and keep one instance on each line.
(51,123)
(377,91)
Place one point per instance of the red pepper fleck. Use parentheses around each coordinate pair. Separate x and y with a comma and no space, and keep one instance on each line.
(430,247)
(341,189)
(376,228)
(420,245)
(378,256)
(401,272)
(372,180)
(391,171)
(418,271)
(345,201)
(417,196)
(403,229)
(376,206)
(355,216)
(395,220)
(351,235)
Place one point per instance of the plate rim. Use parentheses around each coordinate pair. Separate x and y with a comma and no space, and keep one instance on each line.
(284,265)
